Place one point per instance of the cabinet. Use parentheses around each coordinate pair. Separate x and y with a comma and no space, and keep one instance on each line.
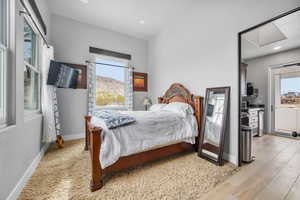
(253,121)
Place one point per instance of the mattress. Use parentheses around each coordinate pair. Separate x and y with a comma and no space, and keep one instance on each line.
(152,129)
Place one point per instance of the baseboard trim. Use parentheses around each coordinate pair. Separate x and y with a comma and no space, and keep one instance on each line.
(73,136)
(230,158)
(28,173)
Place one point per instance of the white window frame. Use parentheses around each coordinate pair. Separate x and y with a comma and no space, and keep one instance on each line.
(3,114)
(293,73)
(111,107)
(36,68)
(4,48)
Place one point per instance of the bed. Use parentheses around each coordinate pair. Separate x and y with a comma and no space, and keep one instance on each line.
(155,134)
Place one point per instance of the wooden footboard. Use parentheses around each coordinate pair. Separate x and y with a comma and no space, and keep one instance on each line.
(93,143)
(94,146)
(87,134)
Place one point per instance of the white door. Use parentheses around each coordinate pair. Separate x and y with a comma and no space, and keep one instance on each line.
(286,99)
(285,120)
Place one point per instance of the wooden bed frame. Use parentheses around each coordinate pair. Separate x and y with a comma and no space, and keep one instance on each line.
(176,93)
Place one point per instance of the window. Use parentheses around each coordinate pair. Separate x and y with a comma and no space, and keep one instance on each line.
(31,69)
(110,84)
(3,61)
(290,91)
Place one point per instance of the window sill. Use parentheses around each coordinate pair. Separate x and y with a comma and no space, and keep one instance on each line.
(7,128)
(28,115)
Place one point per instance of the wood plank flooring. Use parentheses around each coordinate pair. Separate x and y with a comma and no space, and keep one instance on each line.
(274,175)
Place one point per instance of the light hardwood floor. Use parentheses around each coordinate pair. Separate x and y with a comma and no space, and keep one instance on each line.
(274,175)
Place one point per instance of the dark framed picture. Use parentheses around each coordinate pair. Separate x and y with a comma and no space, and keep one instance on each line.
(140,82)
(82,77)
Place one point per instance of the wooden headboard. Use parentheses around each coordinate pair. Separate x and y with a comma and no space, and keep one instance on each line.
(178,93)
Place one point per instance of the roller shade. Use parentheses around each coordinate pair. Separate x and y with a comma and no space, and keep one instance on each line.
(110,53)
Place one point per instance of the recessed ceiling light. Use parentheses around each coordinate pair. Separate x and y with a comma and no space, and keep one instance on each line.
(276,48)
(84,1)
(142,21)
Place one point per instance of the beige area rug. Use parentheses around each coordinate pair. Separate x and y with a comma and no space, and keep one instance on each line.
(65,174)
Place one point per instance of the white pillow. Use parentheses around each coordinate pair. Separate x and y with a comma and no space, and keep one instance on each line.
(183,109)
(157,107)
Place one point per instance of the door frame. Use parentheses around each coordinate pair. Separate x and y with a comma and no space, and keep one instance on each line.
(239,73)
(271,99)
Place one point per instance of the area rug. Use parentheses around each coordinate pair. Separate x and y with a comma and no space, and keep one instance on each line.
(65,174)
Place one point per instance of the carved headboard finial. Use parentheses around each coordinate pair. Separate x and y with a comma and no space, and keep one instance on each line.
(178,92)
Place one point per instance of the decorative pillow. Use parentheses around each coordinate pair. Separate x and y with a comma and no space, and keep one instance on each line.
(178,107)
(157,107)
(114,119)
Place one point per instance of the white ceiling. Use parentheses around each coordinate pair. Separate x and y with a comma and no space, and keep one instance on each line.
(284,33)
(123,16)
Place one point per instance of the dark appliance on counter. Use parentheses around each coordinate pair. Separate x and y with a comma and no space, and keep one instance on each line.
(250,89)
(252,92)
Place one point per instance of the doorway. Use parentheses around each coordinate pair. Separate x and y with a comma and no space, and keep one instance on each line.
(262,101)
(284,90)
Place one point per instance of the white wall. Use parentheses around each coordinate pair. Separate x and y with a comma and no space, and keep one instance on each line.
(201,50)
(257,72)
(19,143)
(71,41)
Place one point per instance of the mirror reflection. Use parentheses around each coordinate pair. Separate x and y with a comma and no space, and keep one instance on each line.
(214,118)
(269,83)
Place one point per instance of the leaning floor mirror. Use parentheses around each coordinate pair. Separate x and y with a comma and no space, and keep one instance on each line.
(211,144)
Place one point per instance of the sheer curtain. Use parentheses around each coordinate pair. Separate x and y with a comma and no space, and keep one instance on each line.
(92,81)
(91,78)
(51,125)
(129,88)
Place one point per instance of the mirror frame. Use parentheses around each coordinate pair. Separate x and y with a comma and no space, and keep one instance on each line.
(217,150)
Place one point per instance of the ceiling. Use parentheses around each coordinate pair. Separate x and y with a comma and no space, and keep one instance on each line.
(280,35)
(123,16)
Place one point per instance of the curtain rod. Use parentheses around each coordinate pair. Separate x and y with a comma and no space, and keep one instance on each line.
(289,65)
(111,65)
(282,65)
(26,12)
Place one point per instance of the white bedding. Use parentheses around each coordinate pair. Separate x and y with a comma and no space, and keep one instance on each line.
(151,129)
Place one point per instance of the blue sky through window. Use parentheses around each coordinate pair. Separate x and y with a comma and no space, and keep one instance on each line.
(116,73)
(290,85)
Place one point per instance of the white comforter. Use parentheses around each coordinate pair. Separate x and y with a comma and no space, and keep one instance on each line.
(150,129)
